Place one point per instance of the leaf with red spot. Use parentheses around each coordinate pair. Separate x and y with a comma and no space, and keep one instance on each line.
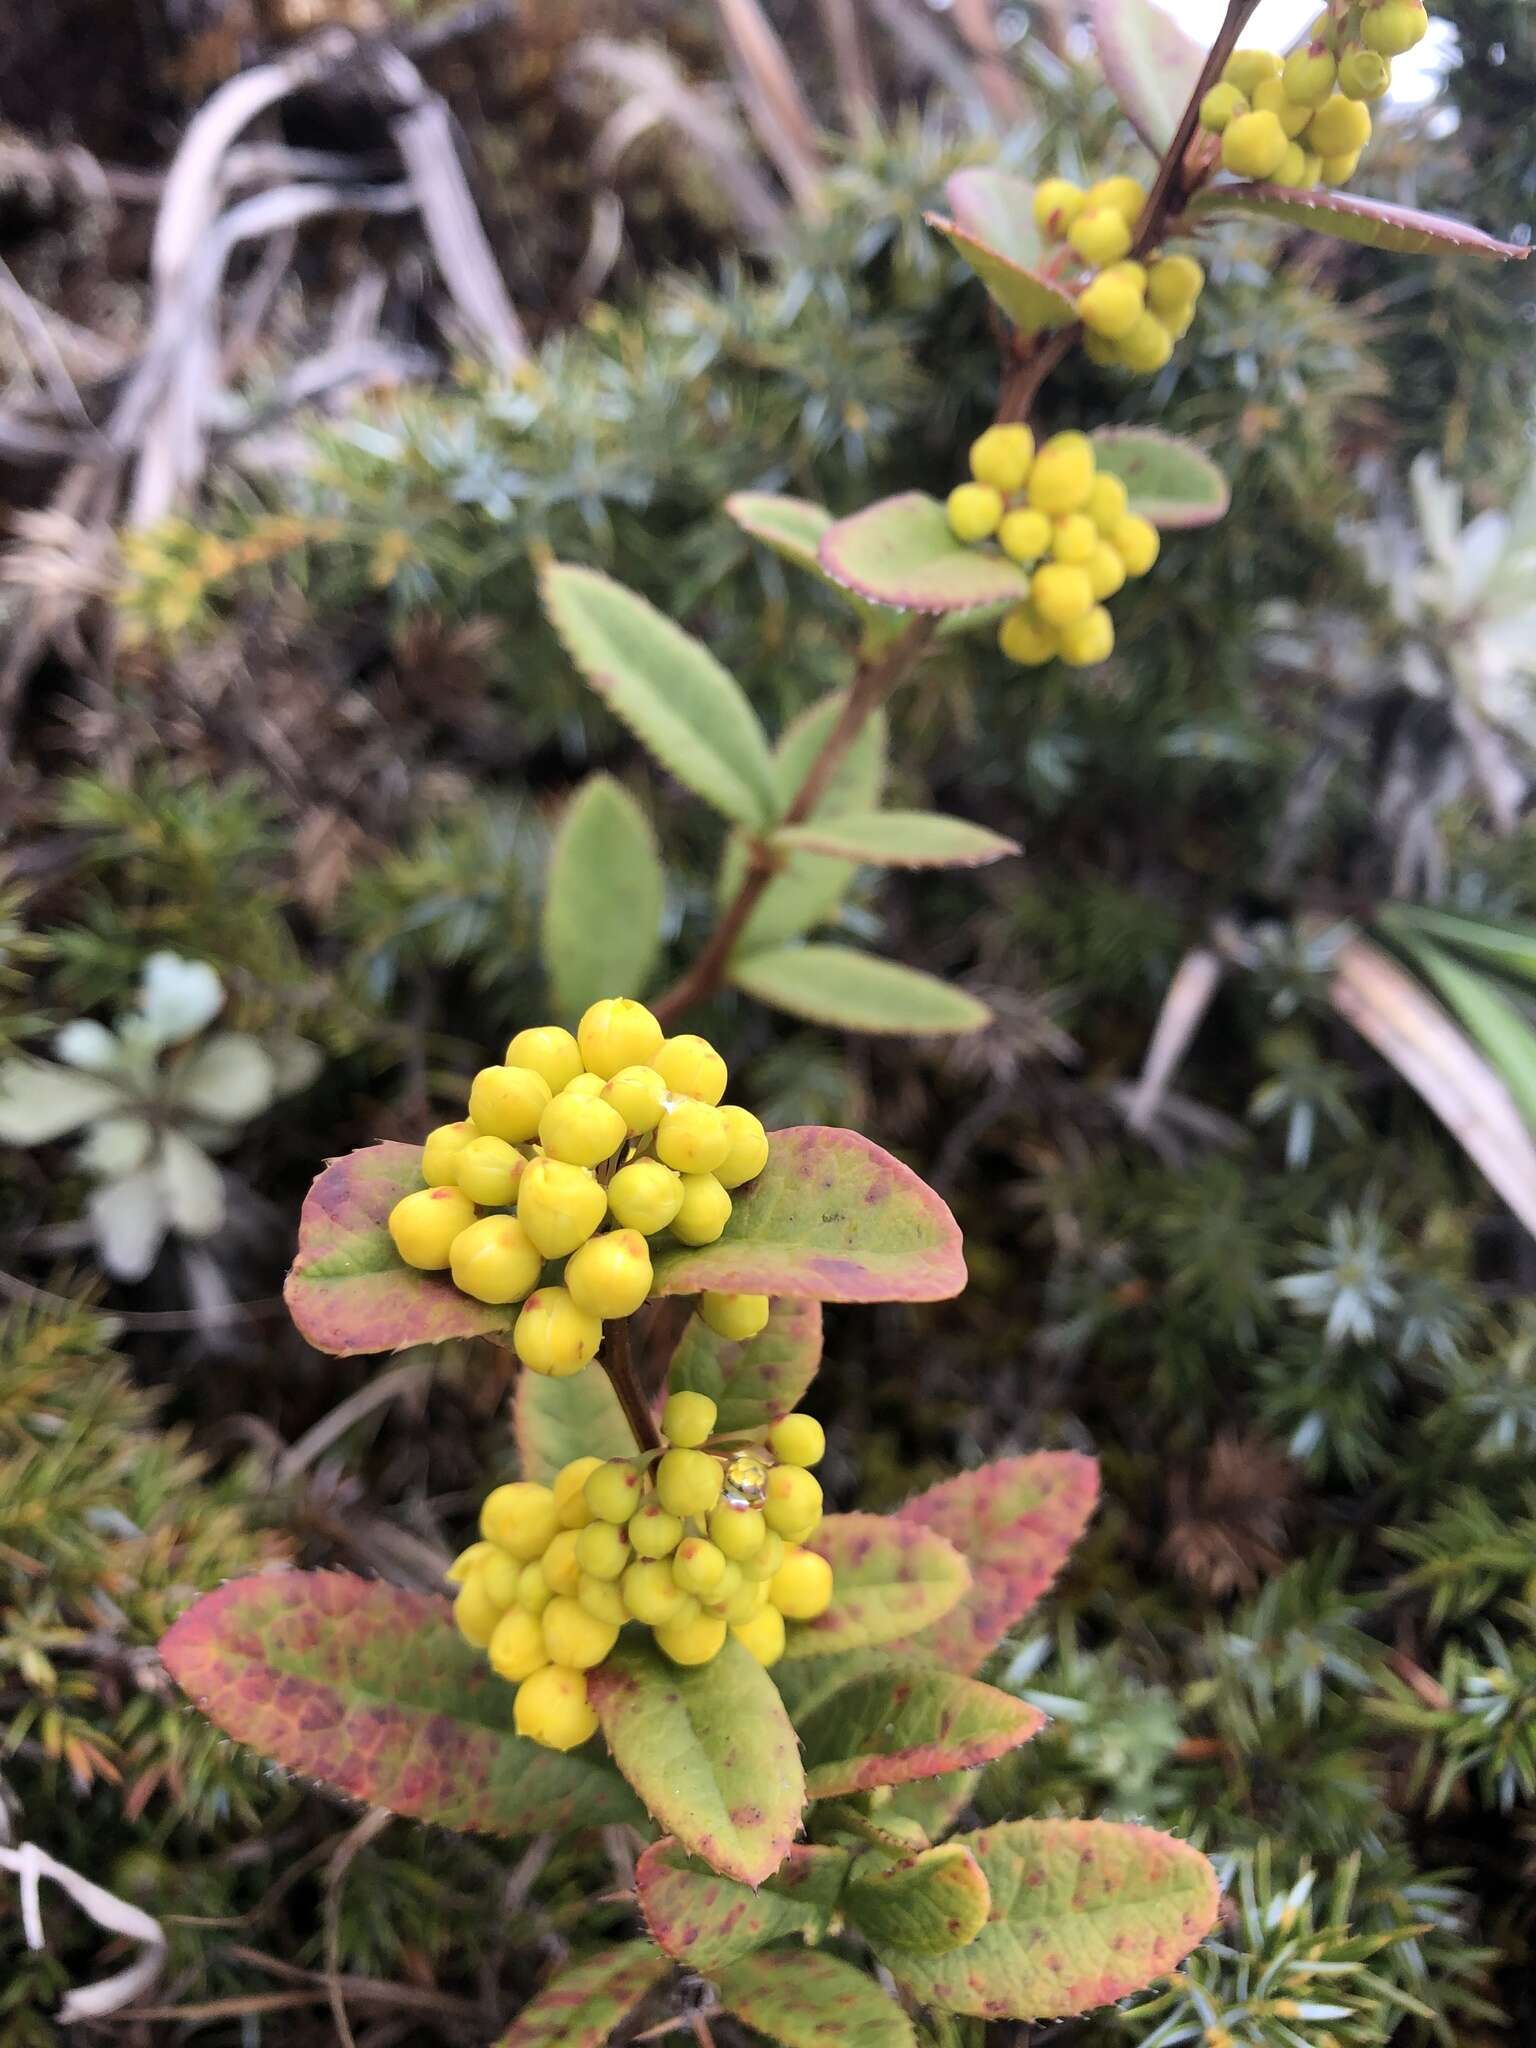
(890,1578)
(708,1921)
(925,1904)
(802,1998)
(582,2004)
(1083,1912)
(370,1689)
(751,1384)
(831,1217)
(1375,222)
(710,1750)
(904,1720)
(900,551)
(349,1289)
(1016,1520)
(558,1419)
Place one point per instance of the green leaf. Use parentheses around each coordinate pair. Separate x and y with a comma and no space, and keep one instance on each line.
(1083,1912)
(752,1383)
(556,1420)
(900,551)
(835,985)
(582,2005)
(370,1689)
(1504,943)
(669,690)
(831,1217)
(1031,301)
(890,1578)
(709,1749)
(707,1921)
(1349,219)
(1015,1519)
(934,1804)
(1500,1027)
(998,208)
(899,839)
(896,1721)
(1151,65)
(349,1290)
(603,899)
(926,1904)
(1170,481)
(792,527)
(802,1998)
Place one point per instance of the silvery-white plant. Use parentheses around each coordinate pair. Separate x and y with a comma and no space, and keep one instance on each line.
(154,1096)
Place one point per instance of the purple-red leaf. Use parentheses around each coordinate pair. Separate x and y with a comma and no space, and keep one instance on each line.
(1347,218)
(707,1921)
(831,1217)
(349,1289)
(751,1384)
(890,1579)
(582,2004)
(1015,1520)
(370,1689)
(900,551)
(802,1998)
(902,1720)
(1031,301)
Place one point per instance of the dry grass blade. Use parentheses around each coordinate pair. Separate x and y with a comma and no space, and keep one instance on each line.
(1194,984)
(116,1916)
(775,106)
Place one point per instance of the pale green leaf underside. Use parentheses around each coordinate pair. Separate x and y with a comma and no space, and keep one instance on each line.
(1032,302)
(835,985)
(1374,222)
(1170,481)
(603,899)
(900,551)
(899,839)
(1151,65)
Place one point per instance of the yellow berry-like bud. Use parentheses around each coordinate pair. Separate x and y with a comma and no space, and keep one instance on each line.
(424,1226)
(1025,638)
(559,1205)
(801,1588)
(727,1586)
(1061,592)
(639,1096)
(1393,27)
(1363,75)
(581,1130)
(560,1565)
(1173,283)
(762,1564)
(736,1317)
(464,1564)
(1001,457)
(1058,202)
(975,511)
(1221,106)
(614,1490)
(602,1599)
(520,1518)
(748,1152)
(574,1637)
(548,1051)
(653,1532)
(615,1033)
(1025,534)
(1147,347)
(1248,69)
(1254,145)
(749,1598)
(798,1440)
(1339,127)
(610,1276)
(1088,641)
(1107,501)
(704,1210)
(687,1482)
(1338,170)
(587,1086)
(475,1614)
(1106,571)
(516,1648)
(1100,235)
(552,1708)
(1062,477)
(552,1335)
(698,1566)
(688,1420)
(763,1636)
(645,1196)
(651,1594)
(793,1504)
(1135,541)
(488,1171)
(1309,75)
(1293,168)
(690,1066)
(494,1260)
(692,1137)
(507,1102)
(498,1577)
(1126,195)
(440,1154)
(696,1641)
(602,1550)
(1074,539)
(570,1492)
(1272,98)
(534,1592)
(738,1533)
(1109,305)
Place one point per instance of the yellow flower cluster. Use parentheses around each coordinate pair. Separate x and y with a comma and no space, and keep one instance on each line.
(578,1148)
(1134,312)
(1052,512)
(697,1542)
(1303,120)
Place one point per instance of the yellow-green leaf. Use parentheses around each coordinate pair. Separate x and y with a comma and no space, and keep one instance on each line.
(828,984)
(899,839)
(602,899)
(900,551)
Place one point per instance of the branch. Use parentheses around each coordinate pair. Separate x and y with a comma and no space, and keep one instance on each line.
(618,1362)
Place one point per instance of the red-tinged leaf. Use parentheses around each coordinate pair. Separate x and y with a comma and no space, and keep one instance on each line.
(890,1577)
(998,208)
(1016,1520)
(1151,65)
(900,551)
(708,1921)
(804,1999)
(831,1217)
(902,1720)
(935,1804)
(926,1904)
(1171,481)
(349,1289)
(1083,1912)
(582,2004)
(899,839)
(370,1689)
(1347,218)
(1031,301)
(751,1384)
(710,1750)
(556,1420)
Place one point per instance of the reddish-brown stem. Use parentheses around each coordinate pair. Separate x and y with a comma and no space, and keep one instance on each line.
(618,1363)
